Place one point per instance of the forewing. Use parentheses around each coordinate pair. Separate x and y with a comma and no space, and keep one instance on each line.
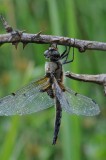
(74,103)
(27,100)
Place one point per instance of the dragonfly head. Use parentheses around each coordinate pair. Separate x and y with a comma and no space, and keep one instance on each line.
(52,54)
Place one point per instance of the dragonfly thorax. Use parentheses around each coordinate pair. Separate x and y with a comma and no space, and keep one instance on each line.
(54,68)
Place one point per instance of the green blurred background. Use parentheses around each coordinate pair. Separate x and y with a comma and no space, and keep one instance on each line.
(29,137)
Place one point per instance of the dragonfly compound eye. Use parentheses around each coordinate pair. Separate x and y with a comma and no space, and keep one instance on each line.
(52,53)
(55,53)
(46,53)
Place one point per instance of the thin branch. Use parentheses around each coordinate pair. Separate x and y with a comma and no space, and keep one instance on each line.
(16,36)
(98,79)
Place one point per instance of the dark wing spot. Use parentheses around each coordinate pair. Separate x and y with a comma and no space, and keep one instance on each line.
(13,94)
(24,94)
(42,90)
(76,94)
(94,101)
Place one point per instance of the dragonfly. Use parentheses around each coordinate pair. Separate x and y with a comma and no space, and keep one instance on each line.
(49,91)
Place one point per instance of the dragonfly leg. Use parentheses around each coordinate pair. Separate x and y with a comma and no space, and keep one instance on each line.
(65,61)
(65,53)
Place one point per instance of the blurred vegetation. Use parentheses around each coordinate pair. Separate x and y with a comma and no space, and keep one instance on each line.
(29,137)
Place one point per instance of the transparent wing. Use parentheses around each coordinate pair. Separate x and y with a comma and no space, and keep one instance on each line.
(74,103)
(80,104)
(27,100)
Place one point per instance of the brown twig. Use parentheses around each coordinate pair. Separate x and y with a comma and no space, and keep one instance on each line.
(15,37)
(98,79)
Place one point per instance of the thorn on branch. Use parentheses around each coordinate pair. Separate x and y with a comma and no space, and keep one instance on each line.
(16,36)
(7,27)
(38,34)
(24,44)
(15,44)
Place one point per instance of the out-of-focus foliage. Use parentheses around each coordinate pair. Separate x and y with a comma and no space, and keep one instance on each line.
(29,137)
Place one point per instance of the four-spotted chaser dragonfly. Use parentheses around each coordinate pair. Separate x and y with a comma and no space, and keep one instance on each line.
(47,92)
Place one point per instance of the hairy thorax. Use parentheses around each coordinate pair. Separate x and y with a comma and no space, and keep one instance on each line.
(54,68)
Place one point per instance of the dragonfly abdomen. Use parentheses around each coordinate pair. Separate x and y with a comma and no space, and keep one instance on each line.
(57,121)
(50,93)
